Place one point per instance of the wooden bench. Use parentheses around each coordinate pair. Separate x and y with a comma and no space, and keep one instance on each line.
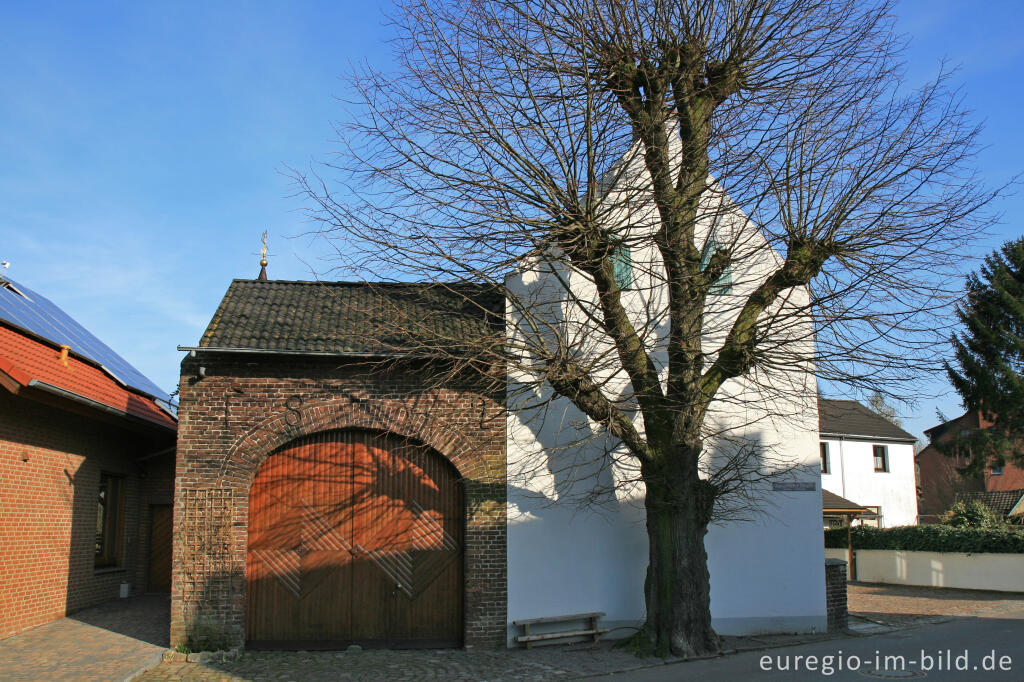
(532,639)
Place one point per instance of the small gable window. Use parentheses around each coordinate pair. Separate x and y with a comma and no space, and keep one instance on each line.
(881,458)
(622,267)
(723,285)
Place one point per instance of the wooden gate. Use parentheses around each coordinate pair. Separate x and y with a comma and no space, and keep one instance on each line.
(355,537)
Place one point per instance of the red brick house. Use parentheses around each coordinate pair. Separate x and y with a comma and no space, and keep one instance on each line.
(334,482)
(940,484)
(86,467)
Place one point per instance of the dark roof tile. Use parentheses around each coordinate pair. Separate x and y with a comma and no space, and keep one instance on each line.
(353,317)
(850,418)
(999,501)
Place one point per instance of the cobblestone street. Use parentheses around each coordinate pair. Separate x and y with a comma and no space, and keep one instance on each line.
(111,641)
(546,663)
(904,605)
(401,666)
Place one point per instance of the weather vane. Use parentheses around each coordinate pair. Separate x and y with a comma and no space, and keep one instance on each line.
(263,259)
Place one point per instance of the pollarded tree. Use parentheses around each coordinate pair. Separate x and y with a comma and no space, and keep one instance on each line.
(756,164)
(990,361)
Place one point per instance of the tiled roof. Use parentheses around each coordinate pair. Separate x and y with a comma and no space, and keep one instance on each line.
(999,501)
(352,317)
(26,360)
(850,418)
(830,502)
(32,312)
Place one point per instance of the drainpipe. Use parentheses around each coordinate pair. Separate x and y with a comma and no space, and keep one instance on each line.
(842,467)
(851,567)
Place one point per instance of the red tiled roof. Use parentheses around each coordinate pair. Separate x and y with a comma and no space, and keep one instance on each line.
(24,359)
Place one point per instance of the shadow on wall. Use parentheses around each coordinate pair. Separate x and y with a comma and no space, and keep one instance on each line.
(577,544)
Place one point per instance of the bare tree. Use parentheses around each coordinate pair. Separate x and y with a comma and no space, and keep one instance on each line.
(883,409)
(751,165)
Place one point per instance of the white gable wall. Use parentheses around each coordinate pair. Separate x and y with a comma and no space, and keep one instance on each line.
(767,574)
(852,475)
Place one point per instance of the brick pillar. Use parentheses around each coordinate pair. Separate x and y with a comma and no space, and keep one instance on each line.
(835,594)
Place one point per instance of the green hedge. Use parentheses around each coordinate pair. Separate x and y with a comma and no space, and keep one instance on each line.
(932,538)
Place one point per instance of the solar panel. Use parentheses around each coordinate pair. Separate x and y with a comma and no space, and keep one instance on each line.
(24,308)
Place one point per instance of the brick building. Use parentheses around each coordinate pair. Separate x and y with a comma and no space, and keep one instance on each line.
(940,484)
(86,467)
(333,484)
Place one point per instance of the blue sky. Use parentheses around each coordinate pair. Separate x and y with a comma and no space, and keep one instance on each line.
(143,146)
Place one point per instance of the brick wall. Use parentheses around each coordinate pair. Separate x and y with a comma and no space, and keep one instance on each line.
(50,465)
(242,409)
(835,594)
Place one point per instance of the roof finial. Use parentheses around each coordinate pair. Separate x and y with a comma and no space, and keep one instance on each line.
(263,259)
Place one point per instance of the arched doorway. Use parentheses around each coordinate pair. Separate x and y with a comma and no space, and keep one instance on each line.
(355,537)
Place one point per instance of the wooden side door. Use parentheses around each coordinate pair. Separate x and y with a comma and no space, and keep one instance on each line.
(355,537)
(161,533)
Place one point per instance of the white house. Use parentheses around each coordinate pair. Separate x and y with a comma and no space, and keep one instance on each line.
(869,460)
(767,573)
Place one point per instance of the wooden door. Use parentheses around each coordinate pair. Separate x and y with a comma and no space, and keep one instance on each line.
(160,544)
(355,537)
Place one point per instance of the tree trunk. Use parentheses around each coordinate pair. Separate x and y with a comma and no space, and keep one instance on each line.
(678,585)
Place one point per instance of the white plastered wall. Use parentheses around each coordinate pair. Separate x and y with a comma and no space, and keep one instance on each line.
(767,574)
(852,475)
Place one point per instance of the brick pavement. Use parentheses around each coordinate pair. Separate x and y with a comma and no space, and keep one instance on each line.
(110,642)
(906,605)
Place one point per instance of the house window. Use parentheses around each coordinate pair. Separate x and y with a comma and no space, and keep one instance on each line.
(723,285)
(873,517)
(622,267)
(825,468)
(109,521)
(997,471)
(881,457)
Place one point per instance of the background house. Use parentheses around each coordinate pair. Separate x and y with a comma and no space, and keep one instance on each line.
(86,464)
(941,484)
(869,460)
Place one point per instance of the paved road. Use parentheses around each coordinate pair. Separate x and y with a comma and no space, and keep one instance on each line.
(975,637)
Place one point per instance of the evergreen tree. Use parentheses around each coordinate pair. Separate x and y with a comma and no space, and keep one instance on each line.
(990,360)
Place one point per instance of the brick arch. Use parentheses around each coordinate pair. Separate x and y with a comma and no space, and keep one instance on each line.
(390,416)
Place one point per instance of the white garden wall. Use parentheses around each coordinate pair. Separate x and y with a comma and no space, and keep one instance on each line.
(1001,572)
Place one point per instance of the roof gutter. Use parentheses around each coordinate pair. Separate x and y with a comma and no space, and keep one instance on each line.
(855,436)
(89,402)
